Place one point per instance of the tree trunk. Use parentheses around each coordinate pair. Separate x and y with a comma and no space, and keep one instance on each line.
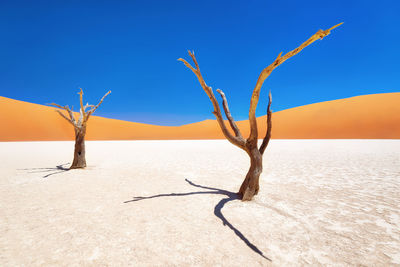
(79,153)
(250,185)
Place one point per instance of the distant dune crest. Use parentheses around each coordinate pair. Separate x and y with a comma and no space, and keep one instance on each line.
(363,117)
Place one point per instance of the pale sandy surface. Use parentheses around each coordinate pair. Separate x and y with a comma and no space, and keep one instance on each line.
(322,202)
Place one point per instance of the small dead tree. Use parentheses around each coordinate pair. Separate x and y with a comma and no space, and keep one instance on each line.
(250,185)
(79,127)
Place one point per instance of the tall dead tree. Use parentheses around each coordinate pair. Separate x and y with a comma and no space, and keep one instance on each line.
(79,127)
(250,185)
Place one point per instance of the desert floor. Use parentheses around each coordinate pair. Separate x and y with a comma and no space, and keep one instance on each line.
(167,203)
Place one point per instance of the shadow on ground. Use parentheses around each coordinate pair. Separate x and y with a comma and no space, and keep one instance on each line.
(231,196)
(49,171)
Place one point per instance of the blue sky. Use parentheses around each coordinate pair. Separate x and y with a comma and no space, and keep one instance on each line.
(49,49)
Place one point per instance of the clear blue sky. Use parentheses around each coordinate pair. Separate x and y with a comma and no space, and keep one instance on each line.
(49,49)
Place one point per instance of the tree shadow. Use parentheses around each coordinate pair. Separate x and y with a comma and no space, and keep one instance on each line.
(51,171)
(231,196)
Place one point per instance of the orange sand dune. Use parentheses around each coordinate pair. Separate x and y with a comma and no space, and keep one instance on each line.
(367,116)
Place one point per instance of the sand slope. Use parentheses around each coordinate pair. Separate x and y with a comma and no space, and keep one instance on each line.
(369,116)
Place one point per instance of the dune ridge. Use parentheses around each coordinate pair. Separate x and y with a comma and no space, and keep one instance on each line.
(375,116)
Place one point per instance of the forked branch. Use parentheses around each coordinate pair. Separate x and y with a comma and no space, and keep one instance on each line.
(236,140)
(65,117)
(93,108)
(71,118)
(320,34)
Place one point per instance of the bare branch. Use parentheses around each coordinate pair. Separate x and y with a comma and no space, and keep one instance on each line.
(87,106)
(269,126)
(83,115)
(66,108)
(267,71)
(91,111)
(70,113)
(57,105)
(279,56)
(65,117)
(217,111)
(191,53)
(187,64)
(228,115)
(196,71)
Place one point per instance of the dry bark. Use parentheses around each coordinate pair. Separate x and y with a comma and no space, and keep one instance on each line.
(250,185)
(80,125)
